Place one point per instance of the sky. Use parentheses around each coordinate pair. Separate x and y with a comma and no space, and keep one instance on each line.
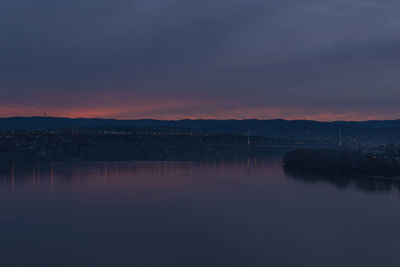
(175,59)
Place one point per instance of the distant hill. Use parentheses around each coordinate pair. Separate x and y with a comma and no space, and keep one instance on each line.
(41,123)
(277,128)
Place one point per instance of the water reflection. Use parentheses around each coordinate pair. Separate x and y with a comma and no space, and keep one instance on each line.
(365,184)
(103,173)
(243,211)
(114,173)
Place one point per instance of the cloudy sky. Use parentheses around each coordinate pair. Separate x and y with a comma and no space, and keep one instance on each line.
(173,59)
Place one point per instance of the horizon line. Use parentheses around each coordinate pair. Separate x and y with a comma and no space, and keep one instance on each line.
(195,119)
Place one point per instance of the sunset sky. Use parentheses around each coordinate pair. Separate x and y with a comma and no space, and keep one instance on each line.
(174,59)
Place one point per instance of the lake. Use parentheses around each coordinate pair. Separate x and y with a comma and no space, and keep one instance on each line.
(241,212)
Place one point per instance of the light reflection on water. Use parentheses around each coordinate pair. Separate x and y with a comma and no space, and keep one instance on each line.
(243,212)
(97,173)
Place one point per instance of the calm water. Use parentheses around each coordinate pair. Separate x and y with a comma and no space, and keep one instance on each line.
(235,213)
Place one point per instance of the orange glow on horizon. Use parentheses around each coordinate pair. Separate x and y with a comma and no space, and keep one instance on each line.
(177,111)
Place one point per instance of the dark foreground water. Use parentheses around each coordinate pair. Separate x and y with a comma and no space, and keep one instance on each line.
(208,213)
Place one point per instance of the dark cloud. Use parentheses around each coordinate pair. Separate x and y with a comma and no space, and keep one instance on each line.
(336,57)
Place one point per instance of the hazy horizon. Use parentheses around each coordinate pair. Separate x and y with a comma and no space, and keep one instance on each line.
(193,119)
